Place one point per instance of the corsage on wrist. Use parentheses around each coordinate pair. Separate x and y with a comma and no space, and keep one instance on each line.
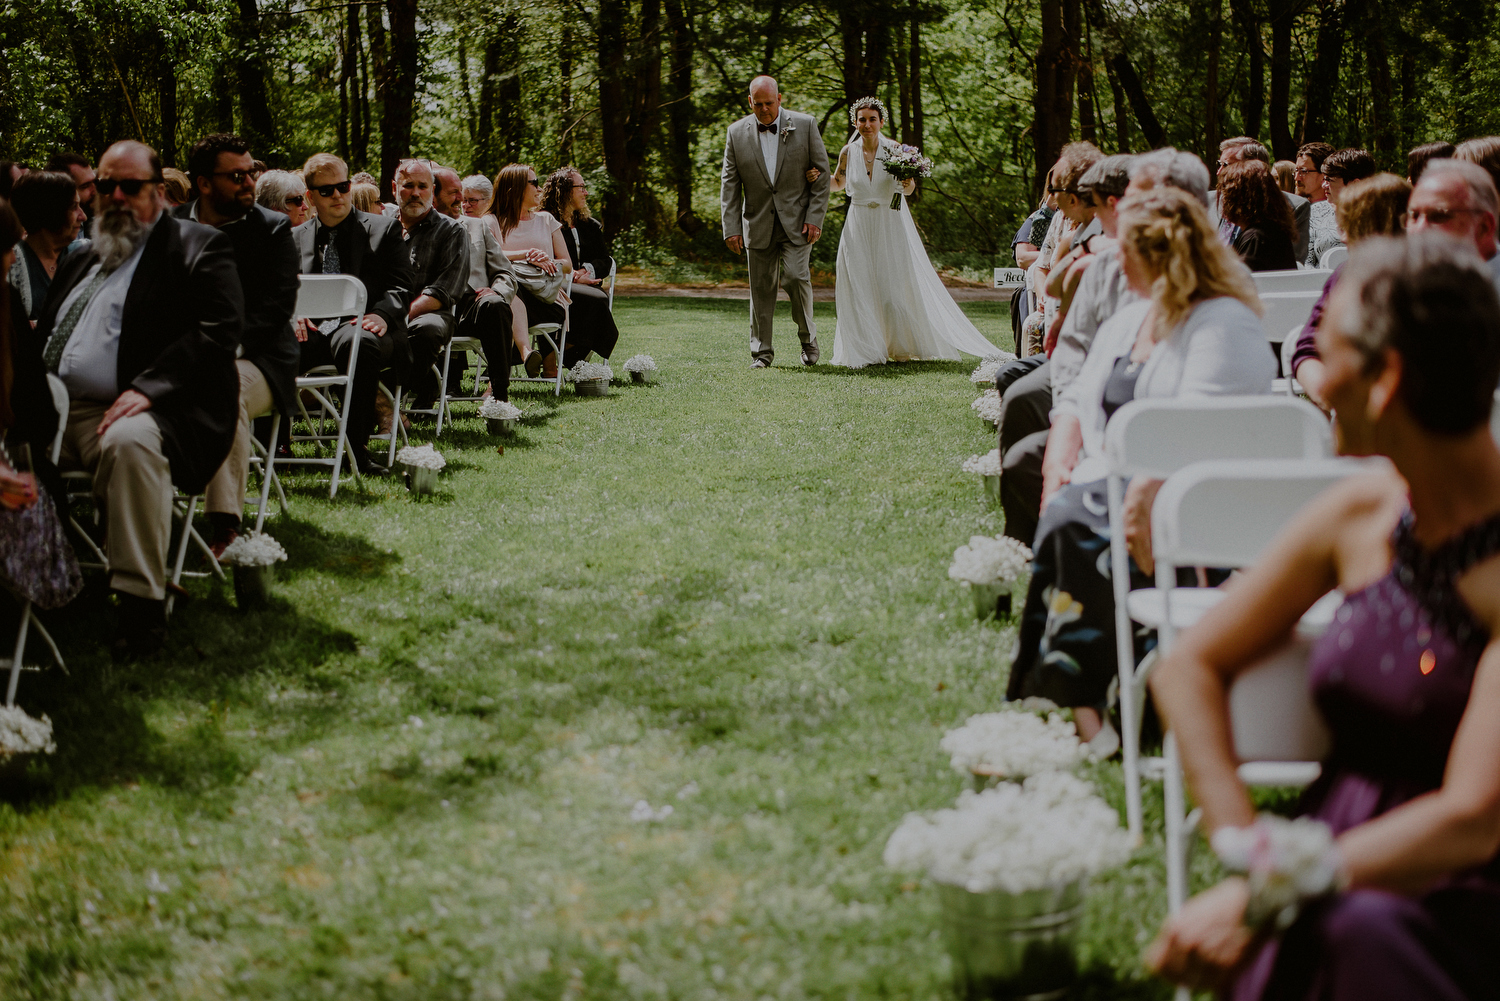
(1286,862)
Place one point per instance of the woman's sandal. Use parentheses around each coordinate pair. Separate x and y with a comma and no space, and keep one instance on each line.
(533,364)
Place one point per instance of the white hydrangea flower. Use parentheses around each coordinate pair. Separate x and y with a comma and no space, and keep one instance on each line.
(494,409)
(421,456)
(586,370)
(988,406)
(253,549)
(1049,832)
(1013,744)
(23,734)
(987,464)
(986,371)
(640,363)
(986,560)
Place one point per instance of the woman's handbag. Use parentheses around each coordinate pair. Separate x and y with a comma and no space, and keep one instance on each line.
(537,282)
(36,561)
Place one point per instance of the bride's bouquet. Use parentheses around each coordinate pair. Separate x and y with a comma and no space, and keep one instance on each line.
(905,163)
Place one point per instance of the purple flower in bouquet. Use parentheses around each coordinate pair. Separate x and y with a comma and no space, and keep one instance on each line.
(904,163)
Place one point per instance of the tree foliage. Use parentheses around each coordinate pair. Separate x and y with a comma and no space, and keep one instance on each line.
(637,93)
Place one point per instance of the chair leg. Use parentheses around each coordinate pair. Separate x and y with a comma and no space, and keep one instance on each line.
(1125,653)
(1176,810)
(267,476)
(20,651)
(442,397)
(182,544)
(562,344)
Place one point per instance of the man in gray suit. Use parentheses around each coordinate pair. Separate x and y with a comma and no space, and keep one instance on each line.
(767,196)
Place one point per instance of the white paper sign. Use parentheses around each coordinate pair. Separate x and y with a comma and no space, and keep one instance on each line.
(1010,278)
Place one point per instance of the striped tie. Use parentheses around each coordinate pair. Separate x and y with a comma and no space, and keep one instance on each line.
(53,352)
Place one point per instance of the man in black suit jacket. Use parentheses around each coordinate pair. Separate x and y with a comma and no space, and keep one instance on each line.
(369,247)
(143,327)
(221,169)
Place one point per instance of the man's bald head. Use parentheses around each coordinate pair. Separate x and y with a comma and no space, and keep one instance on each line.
(765,99)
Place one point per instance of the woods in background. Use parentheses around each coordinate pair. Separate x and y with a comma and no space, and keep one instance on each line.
(637,92)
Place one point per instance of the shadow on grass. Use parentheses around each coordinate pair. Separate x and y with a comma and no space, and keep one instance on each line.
(311,547)
(1101,982)
(892,370)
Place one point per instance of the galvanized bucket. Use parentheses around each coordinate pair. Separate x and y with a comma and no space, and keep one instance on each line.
(591,387)
(252,585)
(501,425)
(991,601)
(991,488)
(420,480)
(1012,946)
(637,376)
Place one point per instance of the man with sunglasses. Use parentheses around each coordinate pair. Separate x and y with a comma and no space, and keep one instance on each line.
(142,327)
(339,239)
(1458,198)
(222,172)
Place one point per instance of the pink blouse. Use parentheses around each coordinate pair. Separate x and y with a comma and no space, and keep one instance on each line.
(534,233)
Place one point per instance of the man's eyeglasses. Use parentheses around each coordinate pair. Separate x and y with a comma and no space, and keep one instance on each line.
(1435,217)
(1061,191)
(131,186)
(1300,171)
(294,200)
(236,177)
(327,190)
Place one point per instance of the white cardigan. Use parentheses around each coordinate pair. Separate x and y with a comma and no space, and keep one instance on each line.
(1219,350)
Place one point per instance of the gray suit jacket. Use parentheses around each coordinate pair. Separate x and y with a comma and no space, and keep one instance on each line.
(749,200)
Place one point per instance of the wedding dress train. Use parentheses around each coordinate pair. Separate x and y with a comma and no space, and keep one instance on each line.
(891,303)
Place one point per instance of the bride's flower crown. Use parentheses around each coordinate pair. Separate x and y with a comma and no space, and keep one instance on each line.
(867,102)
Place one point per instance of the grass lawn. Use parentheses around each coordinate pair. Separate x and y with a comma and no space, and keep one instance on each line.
(416,775)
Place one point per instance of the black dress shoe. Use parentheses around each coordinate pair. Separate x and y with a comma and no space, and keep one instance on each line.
(810,354)
(373,471)
(140,628)
(760,363)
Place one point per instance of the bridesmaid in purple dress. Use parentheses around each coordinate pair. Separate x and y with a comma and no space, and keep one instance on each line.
(1407,676)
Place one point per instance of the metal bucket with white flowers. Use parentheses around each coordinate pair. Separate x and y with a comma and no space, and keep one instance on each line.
(590,378)
(253,556)
(988,468)
(422,463)
(252,584)
(990,567)
(500,416)
(642,368)
(1012,945)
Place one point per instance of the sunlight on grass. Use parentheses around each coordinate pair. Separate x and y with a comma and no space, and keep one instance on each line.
(415,775)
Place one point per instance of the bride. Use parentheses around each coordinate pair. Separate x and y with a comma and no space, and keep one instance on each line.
(891,303)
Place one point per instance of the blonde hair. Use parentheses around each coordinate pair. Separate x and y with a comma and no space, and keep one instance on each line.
(1169,231)
(319,162)
(1375,206)
(366,197)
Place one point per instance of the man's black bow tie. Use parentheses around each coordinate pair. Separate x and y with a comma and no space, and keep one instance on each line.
(766,128)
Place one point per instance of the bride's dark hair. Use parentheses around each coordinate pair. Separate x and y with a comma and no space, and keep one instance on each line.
(868,102)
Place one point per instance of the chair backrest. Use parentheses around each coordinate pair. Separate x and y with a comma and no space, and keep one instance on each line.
(1285,310)
(1495,418)
(1333,257)
(1271,712)
(60,404)
(322,297)
(1295,280)
(1224,513)
(1158,437)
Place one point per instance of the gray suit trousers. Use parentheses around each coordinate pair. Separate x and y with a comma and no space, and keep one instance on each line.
(782,264)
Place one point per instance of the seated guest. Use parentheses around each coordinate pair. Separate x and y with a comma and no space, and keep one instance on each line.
(1237,149)
(1264,228)
(365,177)
(82,171)
(47,204)
(489,310)
(1459,197)
(266,261)
(143,327)
(175,187)
(566,196)
(478,193)
(1285,172)
(1322,228)
(1418,158)
(10,173)
(1375,206)
(367,198)
(440,270)
(1026,399)
(1343,167)
(283,191)
(27,414)
(338,239)
(1395,890)
(534,236)
(1484,151)
(1195,332)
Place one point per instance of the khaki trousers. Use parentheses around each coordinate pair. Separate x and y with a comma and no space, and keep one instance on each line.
(225,493)
(133,481)
(783,264)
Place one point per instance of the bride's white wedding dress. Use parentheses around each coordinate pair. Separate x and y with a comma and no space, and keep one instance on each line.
(891,303)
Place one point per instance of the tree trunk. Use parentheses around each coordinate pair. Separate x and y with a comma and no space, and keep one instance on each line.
(1211,85)
(398,109)
(680,96)
(902,125)
(1282,14)
(1323,82)
(1156,136)
(629,103)
(348,77)
(915,60)
(1382,95)
(1253,94)
(773,30)
(1122,117)
(463,76)
(1087,126)
(486,152)
(565,92)
(1409,109)
(1056,69)
(257,125)
(377,73)
(864,29)
(166,91)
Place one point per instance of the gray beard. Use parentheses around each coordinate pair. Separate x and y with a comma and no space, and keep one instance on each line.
(117,235)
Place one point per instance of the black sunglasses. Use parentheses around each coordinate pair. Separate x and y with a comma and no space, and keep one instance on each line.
(533,182)
(131,186)
(235,176)
(327,190)
(294,200)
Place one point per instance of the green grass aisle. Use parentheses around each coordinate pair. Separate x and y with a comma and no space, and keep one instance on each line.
(417,774)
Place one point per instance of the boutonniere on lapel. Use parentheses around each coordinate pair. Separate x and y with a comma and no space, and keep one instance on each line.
(786,133)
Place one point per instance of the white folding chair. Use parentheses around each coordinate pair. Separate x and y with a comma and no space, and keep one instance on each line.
(1299,280)
(1287,384)
(184,507)
(1224,514)
(555,335)
(29,618)
(1285,310)
(481,366)
(1495,418)
(1154,439)
(324,297)
(77,484)
(609,279)
(1333,257)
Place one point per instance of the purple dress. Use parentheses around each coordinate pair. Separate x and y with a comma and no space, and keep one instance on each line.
(1392,676)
